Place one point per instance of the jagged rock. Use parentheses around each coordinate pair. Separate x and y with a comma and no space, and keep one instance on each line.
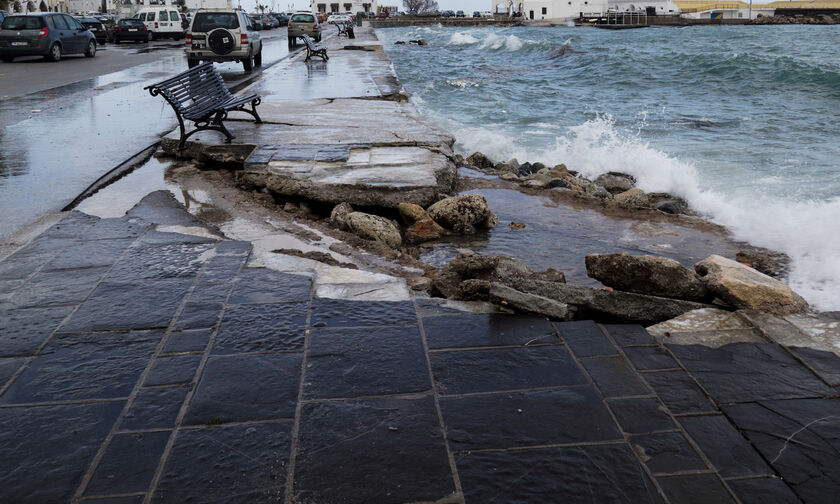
(558,183)
(479,160)
(593,189)
(290,207)
(419,283)
(535,183)
(508,176)
(424,230)
(672,207)
(463,213)
(774,264)
(517,225)
(657,276)
(530,303)
(445,283)
(494,268)
(743,287)
(505,168)
(616,182)
(632,197)
(374,227)
(412,213)
(607,305)
(558,170)
(338,216)
(474,289)
(536,167)
(525,169)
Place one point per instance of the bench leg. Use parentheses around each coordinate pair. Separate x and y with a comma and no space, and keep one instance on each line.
(217,122)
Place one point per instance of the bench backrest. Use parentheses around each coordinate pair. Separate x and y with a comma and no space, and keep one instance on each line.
(200,85)
(307,41)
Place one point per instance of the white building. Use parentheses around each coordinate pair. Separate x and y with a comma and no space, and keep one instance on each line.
(34,6)
(661,7)
(353,6)
(555,10)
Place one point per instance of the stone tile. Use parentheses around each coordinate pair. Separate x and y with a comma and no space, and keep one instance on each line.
(639,415)
(23,331)
(74,224)
(629,335)
(42,248)
(42,461)
(261,328)
(730,454)
(825,364)
(8,367)
(154,237)
(172,370)
(667,452)
(343,313)
(231,464)
(749,372)
(246,387)
(199,315)
(7,288)
(694,488)
(520,419)
(763,490)
(160,261)
(155,408)
(84,366)
(357,362)
(210,292)
(262,285)
(114,228)
(585,338)
(650,358)
(374,450)
(129,463)
(614,377)
(136,305)
(468,330)
(221,268)
(470,371)
(89,254)
(127,499)
(679,392)
(233,248)
(188,341)
(606,473)
(20,267)
(57,288)
(800,438)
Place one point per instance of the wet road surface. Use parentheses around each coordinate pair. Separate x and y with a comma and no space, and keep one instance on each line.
(56,141)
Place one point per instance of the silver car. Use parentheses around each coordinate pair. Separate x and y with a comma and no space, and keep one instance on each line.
(223,35)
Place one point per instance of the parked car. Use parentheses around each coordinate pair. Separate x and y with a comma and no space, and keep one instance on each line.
(269,23)
(96,27)
(322,18)
(447,13)
(3,15)
(282,19)
(255,20)
(460,13)
(371,15)
(132,30)
(47,34)
(340,17)
(382,15)
(476,14)
(304,23)
(223,35)
(162,22)
(487,14)
(185,22)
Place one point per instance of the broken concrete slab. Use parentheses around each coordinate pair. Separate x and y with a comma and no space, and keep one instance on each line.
(811,330)
(708,326)
(646,274)
(530,303)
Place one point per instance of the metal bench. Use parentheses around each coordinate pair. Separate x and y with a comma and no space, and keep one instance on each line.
(200,95)
(311,50)
(345,28)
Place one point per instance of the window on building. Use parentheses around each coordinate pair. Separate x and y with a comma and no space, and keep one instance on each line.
(545,10)
(348,6)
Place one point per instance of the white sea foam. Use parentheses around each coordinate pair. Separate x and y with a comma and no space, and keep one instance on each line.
(462,38)
(805,230)
(507,42)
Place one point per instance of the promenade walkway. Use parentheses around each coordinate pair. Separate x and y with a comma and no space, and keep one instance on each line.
(144,366)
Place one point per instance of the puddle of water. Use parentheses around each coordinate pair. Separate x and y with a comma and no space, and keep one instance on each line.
(560,236)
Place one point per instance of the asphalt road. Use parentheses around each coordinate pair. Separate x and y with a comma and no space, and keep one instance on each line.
(63,125)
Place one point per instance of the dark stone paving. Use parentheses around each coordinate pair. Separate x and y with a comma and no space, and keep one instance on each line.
(140,366)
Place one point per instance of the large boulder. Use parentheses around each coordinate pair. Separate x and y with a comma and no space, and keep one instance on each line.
(632,197)
(374,227)
(424,230)
(743,287)
(479,160)
(607,305)
(616,182)
(412,213)
(463,213)
(657,276)
(338,216)
(494,268)
(529,303)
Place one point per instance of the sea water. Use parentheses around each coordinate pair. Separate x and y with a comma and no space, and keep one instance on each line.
(741,121)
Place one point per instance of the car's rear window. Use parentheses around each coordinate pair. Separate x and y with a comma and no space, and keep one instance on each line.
(303,18)
(131,22)
(207,21)
(22,23)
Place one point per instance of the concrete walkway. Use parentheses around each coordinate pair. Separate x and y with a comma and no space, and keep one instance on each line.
(144,366)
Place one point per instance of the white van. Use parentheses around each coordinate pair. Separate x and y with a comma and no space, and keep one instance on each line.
(162,22)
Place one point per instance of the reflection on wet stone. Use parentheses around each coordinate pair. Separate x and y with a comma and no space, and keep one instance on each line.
(172,370)
(23,331)
(88,254)
(128,464)
(261,327)
(448,331)
(585,338)
(187,341)
(56,288)
(199,315)
(154,408)
(343,313)
(261,285)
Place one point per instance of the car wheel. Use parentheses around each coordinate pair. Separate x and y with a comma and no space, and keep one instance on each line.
(248,62)
(292,41)
(7,59)
(91,49)
(55,53)
(258,57)
(192,62)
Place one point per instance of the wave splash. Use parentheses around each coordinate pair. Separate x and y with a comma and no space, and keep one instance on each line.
(805,230)
(492,41)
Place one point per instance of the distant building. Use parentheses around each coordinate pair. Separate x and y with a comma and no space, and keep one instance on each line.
(129,8)
(24,6)
(353,6)
(550,9)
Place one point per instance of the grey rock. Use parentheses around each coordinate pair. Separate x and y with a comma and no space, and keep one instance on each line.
(673,207)
(479,160)
(338,216)
(657,276)
(616,182)
(495,268)
(530,303)
(558,183)
(463,213)
(632,197)
(374,227)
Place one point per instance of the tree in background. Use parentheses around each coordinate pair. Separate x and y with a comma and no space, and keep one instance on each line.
(420,5)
